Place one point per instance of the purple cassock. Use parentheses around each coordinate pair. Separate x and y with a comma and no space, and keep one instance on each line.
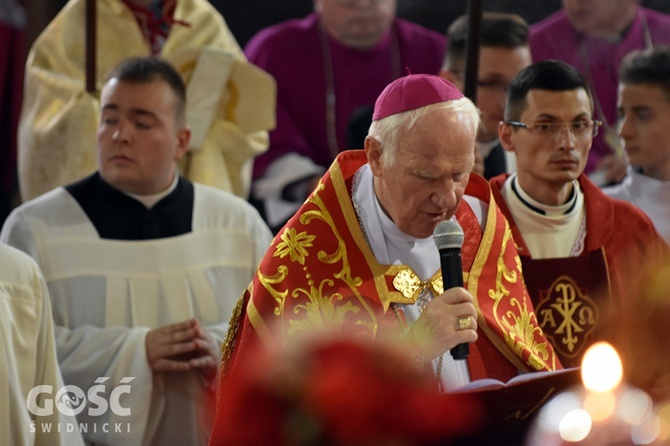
(598,60)
(311,67)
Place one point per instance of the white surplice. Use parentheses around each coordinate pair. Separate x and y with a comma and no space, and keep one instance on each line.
(107,294)
(649,194)
(28,358)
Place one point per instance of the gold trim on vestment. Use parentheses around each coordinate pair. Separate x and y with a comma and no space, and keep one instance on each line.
(521,333)
(379,272)
(228,344)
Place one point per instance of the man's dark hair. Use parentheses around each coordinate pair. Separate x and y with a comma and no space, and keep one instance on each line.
(142,70)
(649,66)
(552,75)
(496,29)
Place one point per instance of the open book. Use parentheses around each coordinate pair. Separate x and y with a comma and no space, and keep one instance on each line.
(489,383)
(510,407)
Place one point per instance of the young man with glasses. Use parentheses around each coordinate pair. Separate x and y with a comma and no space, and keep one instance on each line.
(503,52)
(578,247)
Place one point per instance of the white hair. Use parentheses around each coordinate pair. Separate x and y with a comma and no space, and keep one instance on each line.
(385,131)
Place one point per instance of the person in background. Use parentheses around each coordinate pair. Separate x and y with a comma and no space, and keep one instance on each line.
(28,352)
(12,40)
(593,36)
(503,52)
(328,65)
(644,125)
(231,102)
(359,254)
(143,266)
(578,247)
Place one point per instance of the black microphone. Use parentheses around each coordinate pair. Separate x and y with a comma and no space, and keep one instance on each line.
(448,237)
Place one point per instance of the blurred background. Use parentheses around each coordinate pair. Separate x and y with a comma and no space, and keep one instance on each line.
(246,17)
(21,22)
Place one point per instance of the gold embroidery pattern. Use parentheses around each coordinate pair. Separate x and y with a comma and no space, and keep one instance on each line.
(228,344)
(568,316)
(410,286)
(268,281)
(320,312)
(523,331)
(320,309)
(521,326)
(294,245)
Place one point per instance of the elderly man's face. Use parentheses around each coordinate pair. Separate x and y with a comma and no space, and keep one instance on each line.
(425,184)
(357,24)
(139,138)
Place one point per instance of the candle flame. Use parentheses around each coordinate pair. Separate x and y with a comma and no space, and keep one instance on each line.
(602,370)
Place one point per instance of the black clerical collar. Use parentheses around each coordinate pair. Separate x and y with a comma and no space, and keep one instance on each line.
(572,199)
(117,216)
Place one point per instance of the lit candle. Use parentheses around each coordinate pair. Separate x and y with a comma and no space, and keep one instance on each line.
(603,411)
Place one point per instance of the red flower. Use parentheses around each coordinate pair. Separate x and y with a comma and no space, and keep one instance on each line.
(340,392)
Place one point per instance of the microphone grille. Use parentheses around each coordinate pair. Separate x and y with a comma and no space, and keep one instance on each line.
(448,234)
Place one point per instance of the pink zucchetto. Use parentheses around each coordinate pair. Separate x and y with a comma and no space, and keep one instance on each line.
(413,91)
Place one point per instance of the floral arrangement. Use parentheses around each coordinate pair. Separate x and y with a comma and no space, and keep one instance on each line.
(335,390)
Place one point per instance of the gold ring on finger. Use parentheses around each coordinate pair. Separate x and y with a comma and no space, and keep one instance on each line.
(464,323)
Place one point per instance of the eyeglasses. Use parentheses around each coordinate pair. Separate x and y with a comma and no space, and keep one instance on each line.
(493,85)
(352,3)
(580,129)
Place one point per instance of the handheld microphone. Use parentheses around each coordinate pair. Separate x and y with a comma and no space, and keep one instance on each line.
(448,237)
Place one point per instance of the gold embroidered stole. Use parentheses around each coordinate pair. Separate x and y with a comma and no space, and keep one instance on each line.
(494,278)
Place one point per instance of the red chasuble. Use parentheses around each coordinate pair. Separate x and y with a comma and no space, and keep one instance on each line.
(571,294)
(320,272)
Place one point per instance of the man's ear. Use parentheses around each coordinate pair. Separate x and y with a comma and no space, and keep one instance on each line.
(373,150)
(183,138)
(505,136)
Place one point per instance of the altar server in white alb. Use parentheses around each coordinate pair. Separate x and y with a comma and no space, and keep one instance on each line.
(644,125)
(143,266)
(28,359)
